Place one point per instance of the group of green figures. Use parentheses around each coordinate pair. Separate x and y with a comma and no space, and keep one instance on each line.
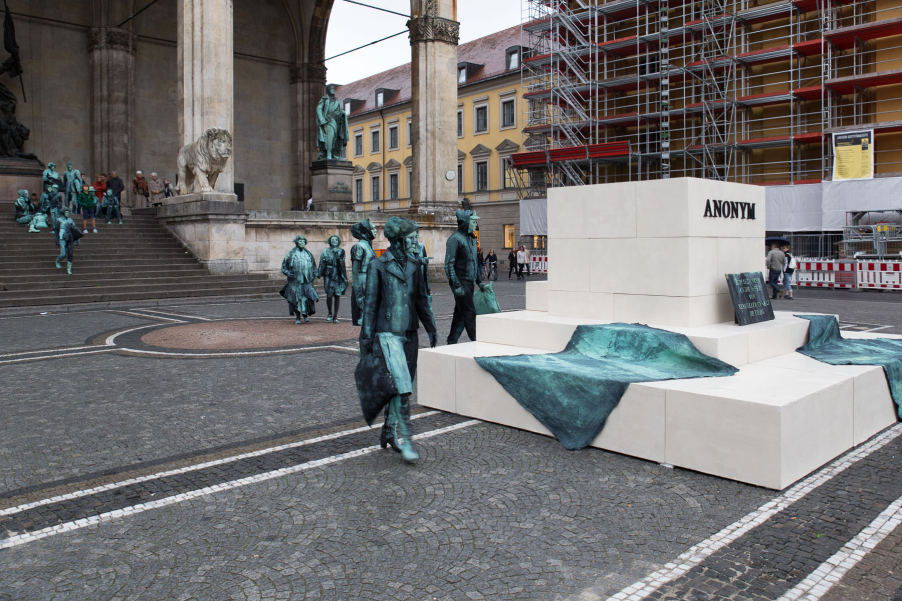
(300,268)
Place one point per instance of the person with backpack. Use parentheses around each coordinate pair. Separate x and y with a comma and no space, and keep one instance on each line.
(788,269)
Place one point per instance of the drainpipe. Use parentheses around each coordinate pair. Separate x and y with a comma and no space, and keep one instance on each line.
(384,170)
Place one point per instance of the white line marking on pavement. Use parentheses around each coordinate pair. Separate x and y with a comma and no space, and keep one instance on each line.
(698,553)
(831,571)
(175,314)
(44,351)
(190,468)
(158,317)
(297,349)
(42,357)
(878,328)
(21,539)
(111,340)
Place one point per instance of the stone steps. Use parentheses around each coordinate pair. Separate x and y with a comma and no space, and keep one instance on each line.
(118,280)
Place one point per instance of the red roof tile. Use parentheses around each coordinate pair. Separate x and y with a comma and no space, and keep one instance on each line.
(488,51)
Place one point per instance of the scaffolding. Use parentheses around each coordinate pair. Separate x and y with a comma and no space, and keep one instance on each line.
(734,90)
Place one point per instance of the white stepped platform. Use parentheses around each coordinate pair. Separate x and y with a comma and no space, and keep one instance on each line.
(780,418)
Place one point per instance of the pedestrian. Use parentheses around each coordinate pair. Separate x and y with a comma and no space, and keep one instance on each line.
(310,203)
(528,261)
(168,190)
(35,203)
(140,190)
(492,260)
(68,235)
(100,186)
(88,203)
(775,262)
(155,185)
(463,274)
(789,267)
(480,258)
(512,259)
(521,262)
(115,184)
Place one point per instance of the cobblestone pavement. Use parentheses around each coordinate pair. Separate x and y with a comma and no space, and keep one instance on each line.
(139,461)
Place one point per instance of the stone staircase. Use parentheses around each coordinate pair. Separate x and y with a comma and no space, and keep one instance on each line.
(136,261)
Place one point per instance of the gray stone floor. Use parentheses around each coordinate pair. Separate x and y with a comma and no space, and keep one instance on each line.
(488,513)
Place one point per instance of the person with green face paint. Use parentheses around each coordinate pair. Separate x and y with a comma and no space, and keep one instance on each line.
(299,267)
(361,255)
(24,209)
(335,276)
(396,303)
(463,274)
(68,235)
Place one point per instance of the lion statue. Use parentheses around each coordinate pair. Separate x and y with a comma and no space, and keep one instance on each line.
(201,162)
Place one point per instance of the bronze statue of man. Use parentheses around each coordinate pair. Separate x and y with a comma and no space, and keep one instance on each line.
(335,276)
(396,303)
(332,126)
(361,255)
(299,267)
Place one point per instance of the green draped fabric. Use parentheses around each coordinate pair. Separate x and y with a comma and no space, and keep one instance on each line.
(826,344)
(573,392)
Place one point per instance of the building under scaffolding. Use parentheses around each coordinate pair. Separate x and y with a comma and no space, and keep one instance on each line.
(735,90)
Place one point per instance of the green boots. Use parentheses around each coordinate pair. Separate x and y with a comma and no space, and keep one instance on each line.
(399,410)
(69,267)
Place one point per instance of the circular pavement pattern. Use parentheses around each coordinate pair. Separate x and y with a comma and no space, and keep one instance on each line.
(249,334)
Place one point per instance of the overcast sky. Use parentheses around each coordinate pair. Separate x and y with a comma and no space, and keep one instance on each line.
(352,25)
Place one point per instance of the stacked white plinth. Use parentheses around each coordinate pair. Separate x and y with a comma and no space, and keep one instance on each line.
(647,253)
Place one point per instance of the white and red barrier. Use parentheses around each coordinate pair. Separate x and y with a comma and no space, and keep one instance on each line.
(880,275)
(538,264)
(825,274)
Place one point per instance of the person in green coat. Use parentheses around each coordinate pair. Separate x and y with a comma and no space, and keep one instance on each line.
(335,276)
(299,267)
(88,203)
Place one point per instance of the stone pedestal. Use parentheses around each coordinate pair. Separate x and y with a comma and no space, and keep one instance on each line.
(332,186)
(211,226)
(19,174)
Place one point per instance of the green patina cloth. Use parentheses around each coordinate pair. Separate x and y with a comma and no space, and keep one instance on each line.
(826,344)
(573,392)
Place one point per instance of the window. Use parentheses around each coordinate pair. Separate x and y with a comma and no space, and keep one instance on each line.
(358,190)
(482,176)
(375,192)
(460,179)
(462,75)
(508,236)
(509,179)
(409,133)
(393,138)
(482,119)
(358,145)
(513,60)
(348,106)
(375,145)
(410,183)
(380,98)
(508,118)
(393,186)
(460,124)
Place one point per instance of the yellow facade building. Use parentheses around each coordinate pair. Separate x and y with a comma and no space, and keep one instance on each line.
(489,130)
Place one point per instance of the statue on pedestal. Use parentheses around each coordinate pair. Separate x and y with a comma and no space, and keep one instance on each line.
(201,162)
(361,255)
(335,276)
(332,126)
(299,267)
(12,133)
(395,303)
(463,274)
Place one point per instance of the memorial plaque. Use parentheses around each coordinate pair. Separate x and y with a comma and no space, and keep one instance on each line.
(751,302)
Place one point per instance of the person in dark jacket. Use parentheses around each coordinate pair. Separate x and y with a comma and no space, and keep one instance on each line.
(115,184)
(463,274)
(396,303)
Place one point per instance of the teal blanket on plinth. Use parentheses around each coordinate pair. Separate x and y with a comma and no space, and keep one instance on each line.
(826,344)
(573,392)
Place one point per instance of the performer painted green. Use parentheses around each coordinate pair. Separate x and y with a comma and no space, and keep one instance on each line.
(299,267)
(332,126)
(111,204)
(335,276)
(72,184)
(395,304)
(419,251)
(361,255)
(24,209)
(463,275)
(51,177)
(68,235)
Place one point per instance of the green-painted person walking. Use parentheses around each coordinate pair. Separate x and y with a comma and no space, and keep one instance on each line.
(299,267)
(361,255)
(335,276)
(67,237)
(396,303)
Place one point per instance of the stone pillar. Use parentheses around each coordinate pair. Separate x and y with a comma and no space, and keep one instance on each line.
(434,33)
(308,81)
(112,104)
(206,74)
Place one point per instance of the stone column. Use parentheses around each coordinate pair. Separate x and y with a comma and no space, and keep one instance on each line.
(112,104)
(308,81)
(434,33)
(206,74)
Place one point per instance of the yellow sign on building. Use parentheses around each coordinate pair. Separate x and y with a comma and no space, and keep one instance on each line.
(853,155)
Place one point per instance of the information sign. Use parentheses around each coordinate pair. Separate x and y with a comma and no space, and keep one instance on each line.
(751,302)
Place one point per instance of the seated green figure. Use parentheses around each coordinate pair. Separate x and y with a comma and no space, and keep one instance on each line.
(39,223)
(335,276)
(111,204)
(299,267)
(395,304)
(24,208)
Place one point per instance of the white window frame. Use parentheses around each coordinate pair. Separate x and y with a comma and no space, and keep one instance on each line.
(409,133)
(394,193)
(409,183)
(397,144)
(380,99)
(488,116)
(488,174)
(503,166)
(358,137)
(376,132)
(461,75)
(460,178)
(375,188)
(358,187)
(460,123)
(504,101)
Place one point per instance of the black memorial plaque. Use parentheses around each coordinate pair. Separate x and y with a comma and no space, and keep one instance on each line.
(751,303)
